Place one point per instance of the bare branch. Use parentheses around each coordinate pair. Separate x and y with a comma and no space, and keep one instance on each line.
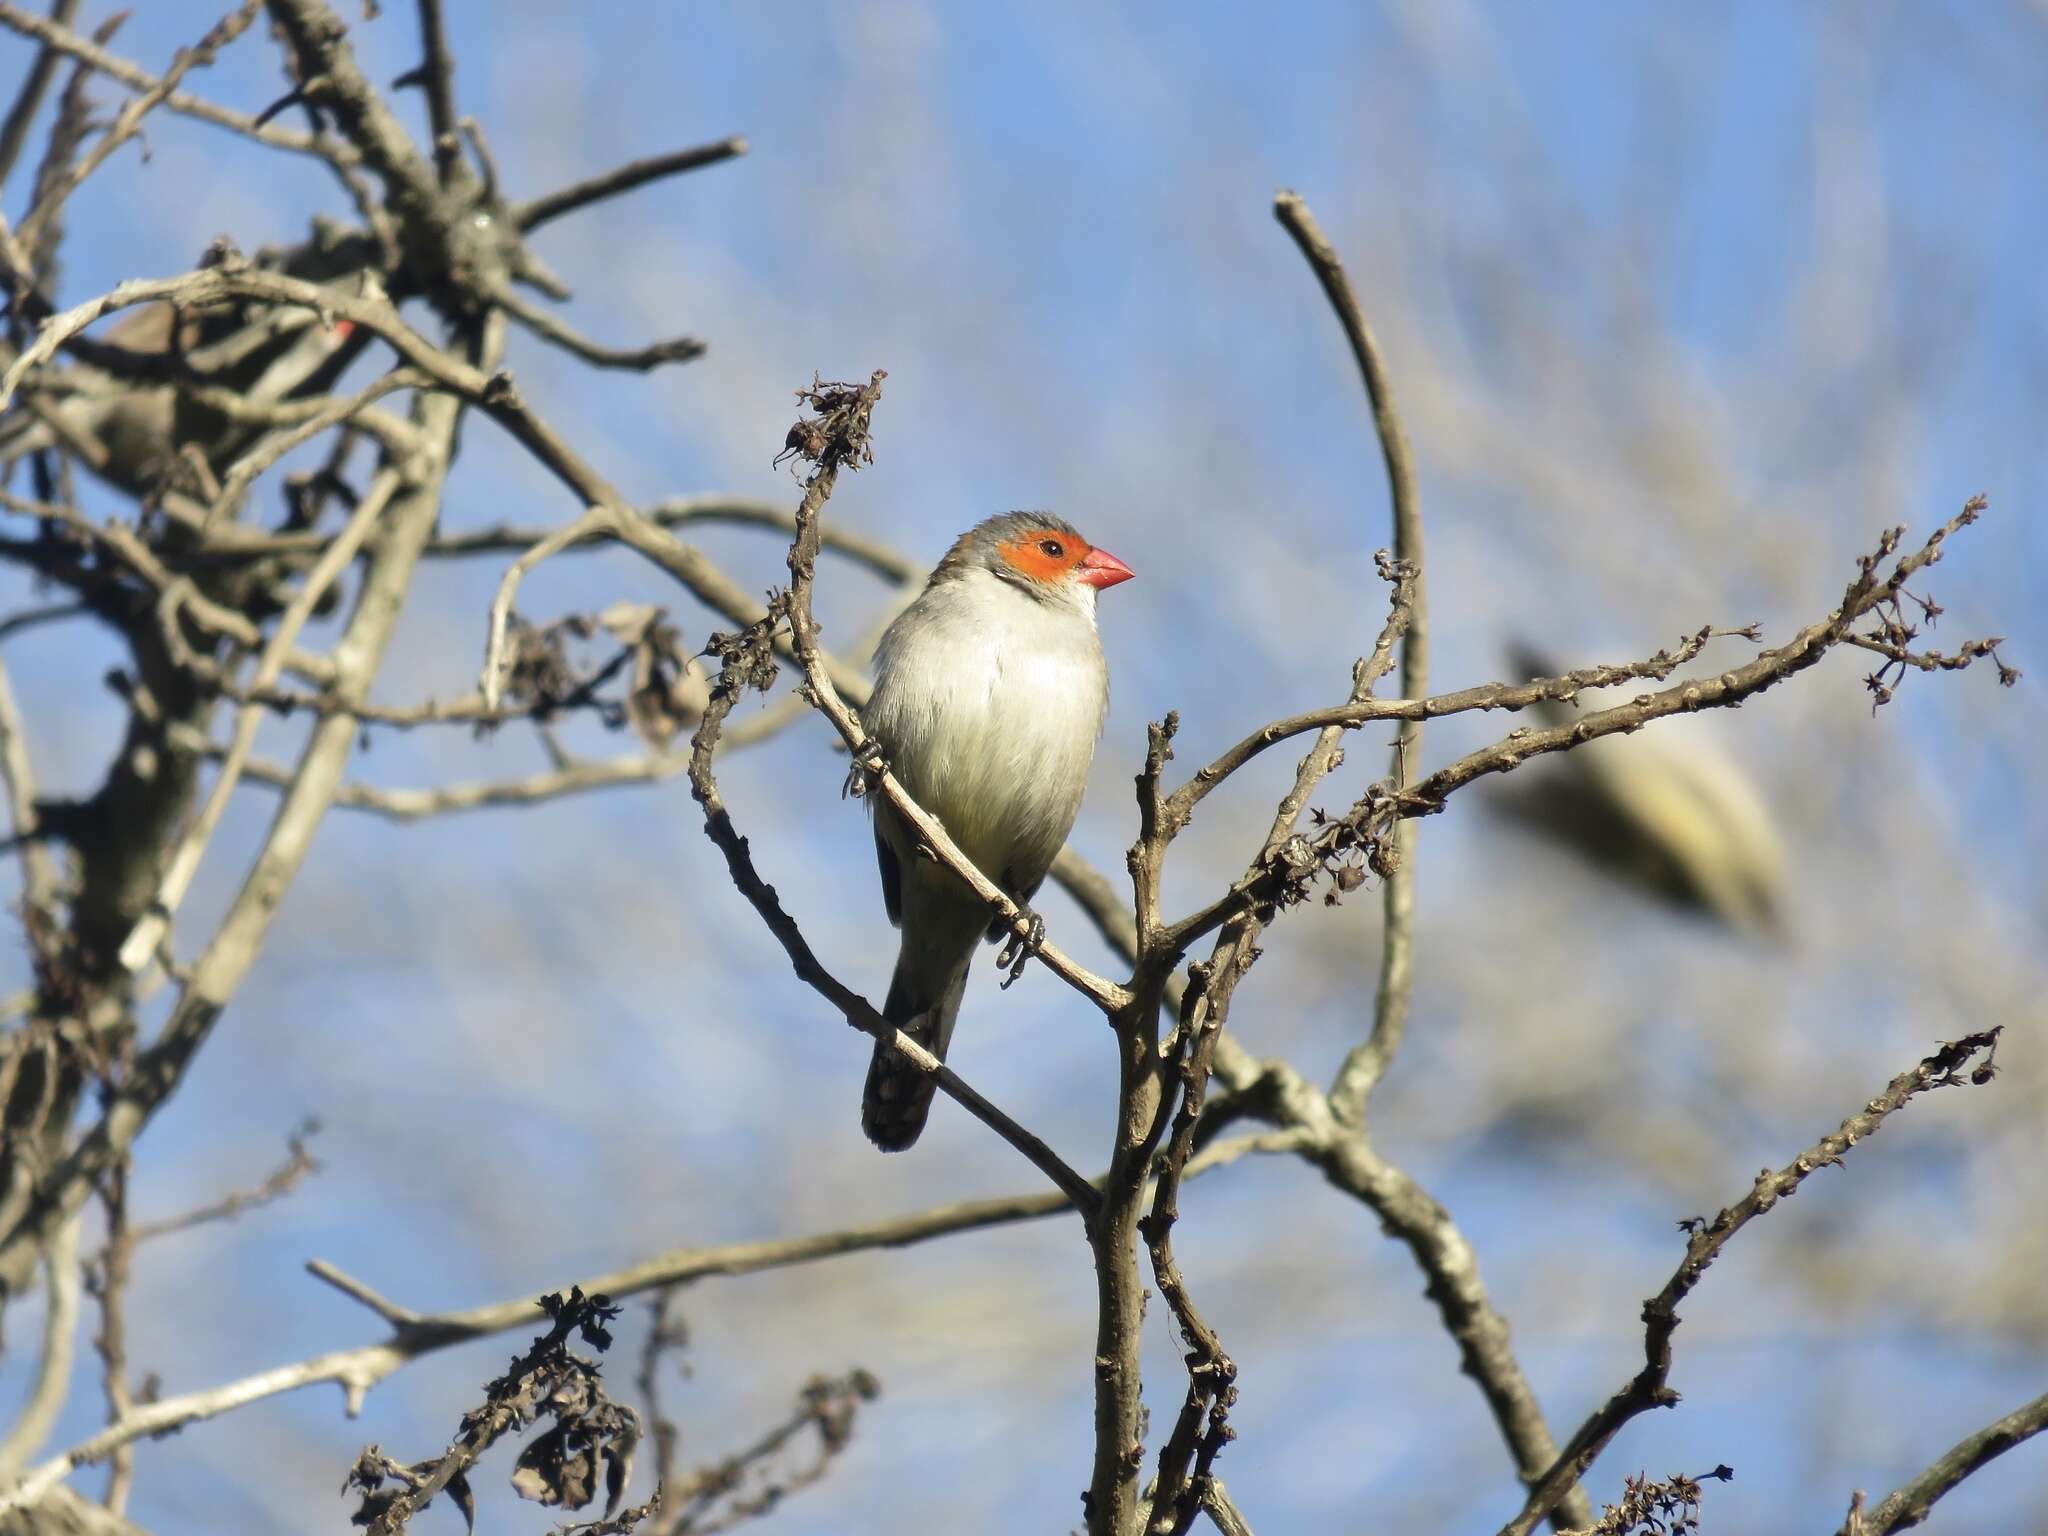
(61,38)
(1368,824)
(1366,1062)
(28,100)
(38,872)
(1808,646)
(299,1163)
(129,120)
(184,865)
(1648,1388)
(49,613)
(124,545)
(607,514)
(304,420)
(414,1334)
(530,216)
(1189,1452)
(52,1383)
(827,1406)
(1911,1503)
(355,1290)
(1274,1091)
(225,961)
(560,333)
(436,76)
(567,777)
(108,1280)
(1484,698)
(504,538)
(1222,1512)
(418,804)
(328,73)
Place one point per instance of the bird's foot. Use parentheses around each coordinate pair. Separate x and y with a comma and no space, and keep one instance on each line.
(866,767)
(1018,948)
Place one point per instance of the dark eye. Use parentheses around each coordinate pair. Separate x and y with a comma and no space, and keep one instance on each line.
(1054,548)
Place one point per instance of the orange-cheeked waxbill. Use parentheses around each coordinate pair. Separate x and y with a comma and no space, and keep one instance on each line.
(989,695)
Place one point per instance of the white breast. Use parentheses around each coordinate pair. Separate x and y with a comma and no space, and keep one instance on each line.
(987,704)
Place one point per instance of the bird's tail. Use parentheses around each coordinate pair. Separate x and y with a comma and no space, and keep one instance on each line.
(898,1096)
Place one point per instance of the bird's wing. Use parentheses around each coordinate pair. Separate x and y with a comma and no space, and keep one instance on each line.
(892,873)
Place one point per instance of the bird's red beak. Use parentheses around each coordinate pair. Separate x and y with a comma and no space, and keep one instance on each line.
(1099,569)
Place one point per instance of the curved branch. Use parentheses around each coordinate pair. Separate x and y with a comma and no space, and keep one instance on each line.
(60,1340)
(507,538)
(1368,1060)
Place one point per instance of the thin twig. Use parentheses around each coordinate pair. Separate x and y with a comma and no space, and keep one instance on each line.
(299,1163)
(21,115)
(530,216)
(1482,698)
(506,538)
(1953,1064)
(55,35)
(223,964)
(49,613)
(1368,1061)
(560,333)
(1202,1429)
(1912,1502)
(128,121)
(436,76)
(493,393)
(414,1334)
(304,420)
(142,944)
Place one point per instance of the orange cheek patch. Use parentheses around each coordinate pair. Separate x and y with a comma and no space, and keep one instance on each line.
(1026,556)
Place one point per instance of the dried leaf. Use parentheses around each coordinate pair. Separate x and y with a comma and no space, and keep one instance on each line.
(465,1500)
(669,690)
(558,1468)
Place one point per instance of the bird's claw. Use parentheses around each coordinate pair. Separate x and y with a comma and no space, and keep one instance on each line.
(866,767)
(1018,948)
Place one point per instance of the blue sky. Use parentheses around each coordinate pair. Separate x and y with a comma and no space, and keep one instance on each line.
(1683,304)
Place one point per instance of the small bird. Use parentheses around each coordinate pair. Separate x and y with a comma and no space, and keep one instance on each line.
(133,434)
(989,696)
(1668,811)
